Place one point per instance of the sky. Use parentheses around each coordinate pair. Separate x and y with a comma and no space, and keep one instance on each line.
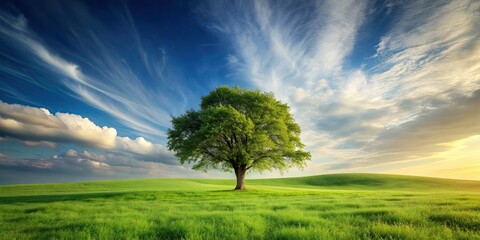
(88,88)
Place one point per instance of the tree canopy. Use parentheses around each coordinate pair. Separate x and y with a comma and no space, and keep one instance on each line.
(238,129)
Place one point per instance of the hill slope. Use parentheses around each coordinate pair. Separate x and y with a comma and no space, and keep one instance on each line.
(321,182)
(358,181)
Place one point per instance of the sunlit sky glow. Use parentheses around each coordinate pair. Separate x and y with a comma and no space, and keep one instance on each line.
(87,89)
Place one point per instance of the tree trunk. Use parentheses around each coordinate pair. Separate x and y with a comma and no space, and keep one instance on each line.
(240,174)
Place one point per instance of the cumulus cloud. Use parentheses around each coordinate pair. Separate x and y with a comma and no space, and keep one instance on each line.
(65,163)
(39,126)
(39,143)
(82,154)
(74,165)
(56,168)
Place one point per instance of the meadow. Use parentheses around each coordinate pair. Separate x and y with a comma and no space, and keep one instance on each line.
(339,206)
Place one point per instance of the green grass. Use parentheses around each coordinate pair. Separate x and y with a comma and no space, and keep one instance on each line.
(339,206)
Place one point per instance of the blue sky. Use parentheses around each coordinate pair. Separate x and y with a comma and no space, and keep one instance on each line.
(88,88)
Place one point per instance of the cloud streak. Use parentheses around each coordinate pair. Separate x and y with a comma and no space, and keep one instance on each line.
(279,43)
(433,130)
(130,94)
(424,68)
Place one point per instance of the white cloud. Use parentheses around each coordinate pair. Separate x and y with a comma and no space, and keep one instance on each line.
(38,125)
(83,154)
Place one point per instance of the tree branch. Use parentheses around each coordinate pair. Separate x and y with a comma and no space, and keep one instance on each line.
(256,160)
(228,141)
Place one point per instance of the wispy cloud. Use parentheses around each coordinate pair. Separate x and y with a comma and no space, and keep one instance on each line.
(425,68)
(284,44)
(128,91)
(431,133)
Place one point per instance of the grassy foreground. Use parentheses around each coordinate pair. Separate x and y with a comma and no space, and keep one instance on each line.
(340,206)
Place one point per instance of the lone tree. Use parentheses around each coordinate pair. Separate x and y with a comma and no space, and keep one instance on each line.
(238,129)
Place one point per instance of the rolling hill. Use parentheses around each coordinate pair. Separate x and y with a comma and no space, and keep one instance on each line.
(337,206)
(355,181)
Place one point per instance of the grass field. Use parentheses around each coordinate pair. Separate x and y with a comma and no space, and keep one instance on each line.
(341,206)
